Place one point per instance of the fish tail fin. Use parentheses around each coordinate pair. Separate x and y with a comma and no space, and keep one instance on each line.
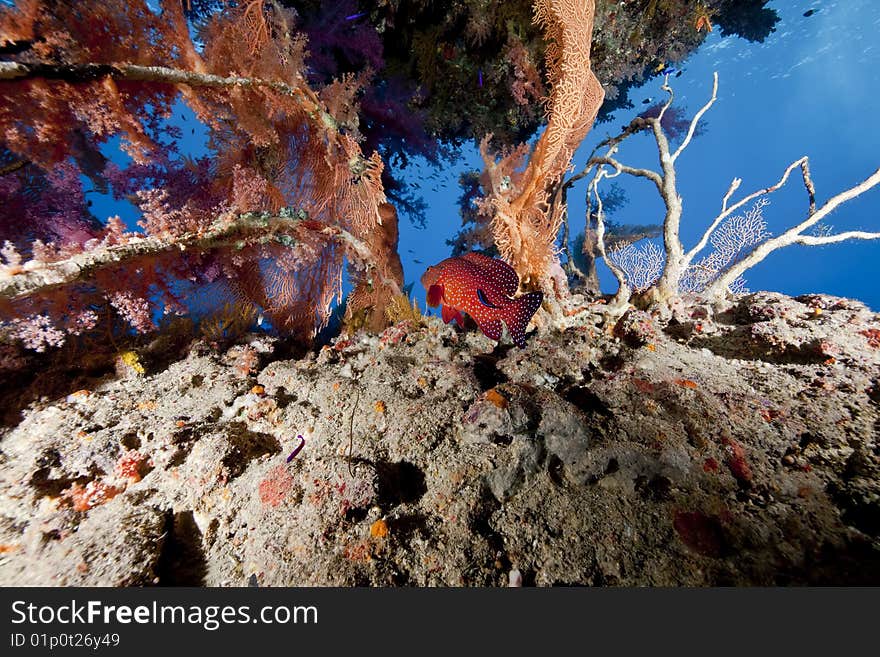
(518,314)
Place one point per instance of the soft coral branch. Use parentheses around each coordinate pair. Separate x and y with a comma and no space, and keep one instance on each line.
(234,232)
(276,143)
(90,72)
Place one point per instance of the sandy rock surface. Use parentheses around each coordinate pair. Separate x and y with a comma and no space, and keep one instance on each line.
(706,448)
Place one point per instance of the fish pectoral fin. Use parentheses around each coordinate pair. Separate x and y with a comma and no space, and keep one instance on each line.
(435,295)
(491,328)
(484,299)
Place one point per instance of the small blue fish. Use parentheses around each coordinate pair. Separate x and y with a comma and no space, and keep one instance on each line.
(355,16)
(480,78)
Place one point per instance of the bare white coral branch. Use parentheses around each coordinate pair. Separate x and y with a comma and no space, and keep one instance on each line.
(669,100)
(726,212)
(819,240)
(739,242)
(675,260)
(734,185)
(623,290)
(795,235)
(693,126)
(653,176)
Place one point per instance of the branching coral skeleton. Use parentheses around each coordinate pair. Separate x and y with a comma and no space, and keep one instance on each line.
(740,242)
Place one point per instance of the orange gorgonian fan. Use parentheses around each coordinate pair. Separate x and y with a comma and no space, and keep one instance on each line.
(524,224)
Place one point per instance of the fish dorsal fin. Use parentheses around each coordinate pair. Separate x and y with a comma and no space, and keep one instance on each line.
(497,270)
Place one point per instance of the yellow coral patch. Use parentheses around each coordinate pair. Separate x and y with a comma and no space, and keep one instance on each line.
(131,360)
(400,309)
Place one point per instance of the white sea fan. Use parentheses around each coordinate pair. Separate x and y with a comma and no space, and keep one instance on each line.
(730,243)
(642,265)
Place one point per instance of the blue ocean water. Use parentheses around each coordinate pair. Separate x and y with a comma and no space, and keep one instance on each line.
(811,88)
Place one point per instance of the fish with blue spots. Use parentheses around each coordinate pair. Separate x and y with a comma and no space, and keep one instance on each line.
(484,288)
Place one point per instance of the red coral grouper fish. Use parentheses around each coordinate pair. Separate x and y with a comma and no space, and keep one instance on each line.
(483,287)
